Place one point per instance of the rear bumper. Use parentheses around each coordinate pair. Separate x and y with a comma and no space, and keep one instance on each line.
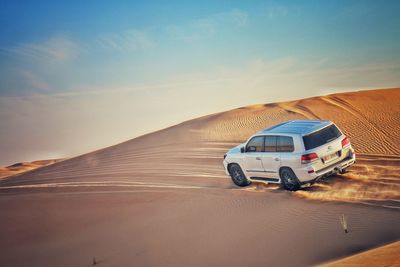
(346,162)
(331,170)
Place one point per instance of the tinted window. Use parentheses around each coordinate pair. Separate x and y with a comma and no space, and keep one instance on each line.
(256,144)
(321,137)
(270,144)
(285,144)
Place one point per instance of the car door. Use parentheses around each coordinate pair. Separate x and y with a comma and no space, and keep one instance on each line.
(253,157)
(271,157)
(285,147)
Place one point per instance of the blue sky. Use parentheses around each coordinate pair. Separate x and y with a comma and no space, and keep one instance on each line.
(107,61)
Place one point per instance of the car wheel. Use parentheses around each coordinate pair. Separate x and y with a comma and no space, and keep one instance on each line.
(289,180)
(237,175)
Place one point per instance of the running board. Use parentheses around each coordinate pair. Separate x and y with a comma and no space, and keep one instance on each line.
(265,179)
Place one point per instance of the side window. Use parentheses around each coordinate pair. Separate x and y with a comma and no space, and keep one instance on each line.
(270,143)
(285,144)
(256,144)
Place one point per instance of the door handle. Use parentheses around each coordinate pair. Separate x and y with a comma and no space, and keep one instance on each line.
(258,158)
(276,159)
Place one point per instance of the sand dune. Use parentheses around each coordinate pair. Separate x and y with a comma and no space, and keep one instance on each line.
(164,199)
(194,148)
(22,167)
(388,255)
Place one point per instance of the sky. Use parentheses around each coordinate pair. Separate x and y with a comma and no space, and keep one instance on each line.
(76,76)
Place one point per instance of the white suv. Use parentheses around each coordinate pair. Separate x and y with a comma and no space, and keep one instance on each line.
(292,153)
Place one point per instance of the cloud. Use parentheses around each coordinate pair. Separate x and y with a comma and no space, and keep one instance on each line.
(188,36)
(278,80)
(34,81)
(55,49)
(277,11)
(132,40)
(239,17)
(280,11)
(207,27)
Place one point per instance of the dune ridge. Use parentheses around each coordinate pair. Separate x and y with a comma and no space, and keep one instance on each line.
(22,167)
(388,255)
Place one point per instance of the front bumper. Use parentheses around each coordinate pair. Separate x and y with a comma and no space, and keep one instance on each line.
(225,163)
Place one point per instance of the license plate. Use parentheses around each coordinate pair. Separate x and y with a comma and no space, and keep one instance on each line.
(330,157)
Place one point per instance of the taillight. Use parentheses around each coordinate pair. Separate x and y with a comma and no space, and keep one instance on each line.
(345,142)
(307,158)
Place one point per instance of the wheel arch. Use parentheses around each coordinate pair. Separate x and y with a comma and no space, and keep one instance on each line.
(285,167)
(233,163)
(237,163)
(293,185)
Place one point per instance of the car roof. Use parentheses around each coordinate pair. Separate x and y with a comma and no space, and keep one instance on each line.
(302,127)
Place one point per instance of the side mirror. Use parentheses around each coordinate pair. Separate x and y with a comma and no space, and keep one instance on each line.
(242,150)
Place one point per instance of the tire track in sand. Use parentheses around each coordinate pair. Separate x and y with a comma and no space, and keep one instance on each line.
(307,113)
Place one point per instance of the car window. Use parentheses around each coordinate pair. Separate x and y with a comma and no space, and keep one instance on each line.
(270,144)
(256,144)
(321,137)
(285,144)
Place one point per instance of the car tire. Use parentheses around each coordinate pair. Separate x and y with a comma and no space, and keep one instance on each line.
(238,176)
(289,180)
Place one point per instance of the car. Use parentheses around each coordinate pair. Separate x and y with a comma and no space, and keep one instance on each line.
(294,154)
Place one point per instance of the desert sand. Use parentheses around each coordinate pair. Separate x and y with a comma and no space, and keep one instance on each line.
(163,199)
(388,255)
(22,167)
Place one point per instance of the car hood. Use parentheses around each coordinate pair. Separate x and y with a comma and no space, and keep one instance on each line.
(236,149)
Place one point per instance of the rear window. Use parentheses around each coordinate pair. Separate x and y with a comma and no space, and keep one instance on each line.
(321,137)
